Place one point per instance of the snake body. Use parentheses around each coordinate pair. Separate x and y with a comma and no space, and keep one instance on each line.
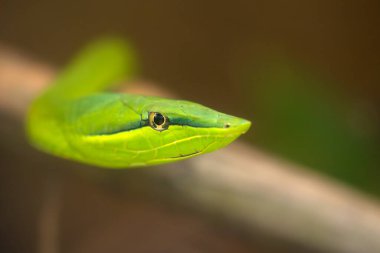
(76,118)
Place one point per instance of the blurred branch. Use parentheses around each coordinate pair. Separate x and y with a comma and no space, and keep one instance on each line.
(241,183)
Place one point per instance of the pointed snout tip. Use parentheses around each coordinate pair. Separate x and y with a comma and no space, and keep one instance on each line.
(244,126)
(238,125)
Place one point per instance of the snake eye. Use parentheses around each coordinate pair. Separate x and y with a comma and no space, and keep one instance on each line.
(158,121)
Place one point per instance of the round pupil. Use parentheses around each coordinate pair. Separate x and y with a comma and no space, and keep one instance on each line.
(159,119)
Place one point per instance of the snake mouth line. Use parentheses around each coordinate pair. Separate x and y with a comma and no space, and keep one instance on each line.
(187,155)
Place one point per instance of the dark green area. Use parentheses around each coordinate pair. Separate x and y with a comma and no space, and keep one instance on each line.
(301,117)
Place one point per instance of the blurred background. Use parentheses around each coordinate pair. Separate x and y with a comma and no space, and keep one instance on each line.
(306,73)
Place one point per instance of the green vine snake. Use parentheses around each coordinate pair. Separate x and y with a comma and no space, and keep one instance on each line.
(76,118)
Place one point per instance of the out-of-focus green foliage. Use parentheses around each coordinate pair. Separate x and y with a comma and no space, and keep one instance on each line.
(300,117)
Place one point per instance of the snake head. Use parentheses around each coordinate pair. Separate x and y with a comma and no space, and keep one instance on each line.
(130,130)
